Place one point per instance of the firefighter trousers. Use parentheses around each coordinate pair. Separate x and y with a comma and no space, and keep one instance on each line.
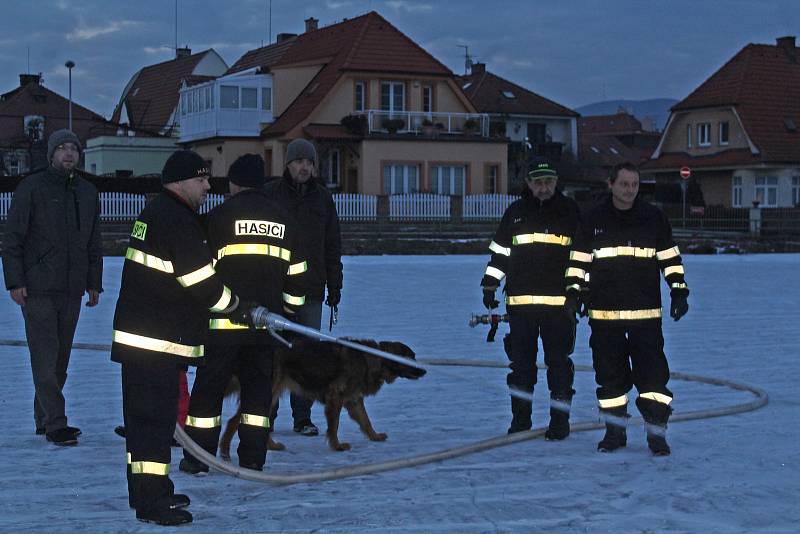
(627,355)
(149,407)
(557,331)
(252,364)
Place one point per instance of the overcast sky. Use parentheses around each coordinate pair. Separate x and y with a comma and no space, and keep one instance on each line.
(575,52)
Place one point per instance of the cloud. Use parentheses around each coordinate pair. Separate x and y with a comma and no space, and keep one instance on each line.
(83,34)
(409,7)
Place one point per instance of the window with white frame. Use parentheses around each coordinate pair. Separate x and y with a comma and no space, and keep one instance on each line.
(229,96)
(266,98)
(795,191)
(767,191)
(724,133)
(359,100)
(736,191)
(447,180)
(400,179)
(393,96)
(427,98)
(688,136)
(334,166)
(704,134)
(249,98)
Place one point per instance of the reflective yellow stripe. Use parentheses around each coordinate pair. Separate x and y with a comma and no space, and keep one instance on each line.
(197,276)
(149,468)
(298,268)
(613,403)
(148,260)
(658,397)
(494,272)
(223,302)
(254,420)
(204,422)
(624,315)
(580,256)
(226,324)
(550,239)
(494,247)
(612,252)
(291,299)
(668,253)
(158,345)
(259,249)
(678,285)
(535,299)
(576,287)
(675,269)
(574,271)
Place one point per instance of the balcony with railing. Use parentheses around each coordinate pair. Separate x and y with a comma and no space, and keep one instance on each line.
(431,124)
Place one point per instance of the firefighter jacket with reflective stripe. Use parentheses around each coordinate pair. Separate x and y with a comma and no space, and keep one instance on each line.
(52,240)
(255,246)
(531,250)
(312,207)
(619,257)
(169,286)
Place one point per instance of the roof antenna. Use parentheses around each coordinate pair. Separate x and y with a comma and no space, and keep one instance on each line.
(467,59)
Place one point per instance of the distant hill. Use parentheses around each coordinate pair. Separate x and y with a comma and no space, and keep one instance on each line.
(655,108)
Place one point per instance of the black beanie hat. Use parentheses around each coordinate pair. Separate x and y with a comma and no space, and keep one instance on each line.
(182,165)
(247,171)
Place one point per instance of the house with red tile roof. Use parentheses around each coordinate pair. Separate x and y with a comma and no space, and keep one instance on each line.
(386,116)
(29,114)
(534,124)
(739,131)
(148,115)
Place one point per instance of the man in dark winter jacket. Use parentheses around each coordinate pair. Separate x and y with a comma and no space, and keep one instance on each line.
(168,291)
(52,255)
(624,247)
(312,207)
(531,251)
(254,241)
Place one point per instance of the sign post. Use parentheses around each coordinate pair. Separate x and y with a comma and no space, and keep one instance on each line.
(686,172)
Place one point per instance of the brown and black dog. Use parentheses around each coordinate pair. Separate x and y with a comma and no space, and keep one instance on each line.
(335,375)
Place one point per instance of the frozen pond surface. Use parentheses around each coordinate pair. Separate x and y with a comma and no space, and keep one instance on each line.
(731,474)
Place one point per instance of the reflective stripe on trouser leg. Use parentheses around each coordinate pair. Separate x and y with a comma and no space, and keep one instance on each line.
(255,377)
(150,405)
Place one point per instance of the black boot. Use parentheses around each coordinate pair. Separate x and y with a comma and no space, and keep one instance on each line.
(655,415)
(558,428)
(616,437)
(521,415)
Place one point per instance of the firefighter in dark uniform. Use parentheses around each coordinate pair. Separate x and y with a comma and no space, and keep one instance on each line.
(531,251)
(625,246)
(168,290)
(255,245)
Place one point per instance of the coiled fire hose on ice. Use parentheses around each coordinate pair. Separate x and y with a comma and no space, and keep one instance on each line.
(277,322)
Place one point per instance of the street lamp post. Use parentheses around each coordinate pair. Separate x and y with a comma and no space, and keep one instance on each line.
(69,64)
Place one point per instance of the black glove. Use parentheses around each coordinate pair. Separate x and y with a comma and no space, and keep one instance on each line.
(679,306)
(334,297)
(488,299)
(571,307)
(243,313)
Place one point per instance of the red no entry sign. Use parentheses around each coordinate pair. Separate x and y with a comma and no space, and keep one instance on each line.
(686,172)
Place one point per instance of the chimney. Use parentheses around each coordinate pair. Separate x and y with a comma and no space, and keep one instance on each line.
(311,24)
(25,79)
(183,52)
(788,45)
(478,68)
(285,37)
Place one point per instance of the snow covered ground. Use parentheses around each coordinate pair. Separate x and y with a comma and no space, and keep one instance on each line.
(730,474)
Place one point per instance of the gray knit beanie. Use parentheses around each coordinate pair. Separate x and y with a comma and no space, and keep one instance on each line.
(300,149)
(61,136)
